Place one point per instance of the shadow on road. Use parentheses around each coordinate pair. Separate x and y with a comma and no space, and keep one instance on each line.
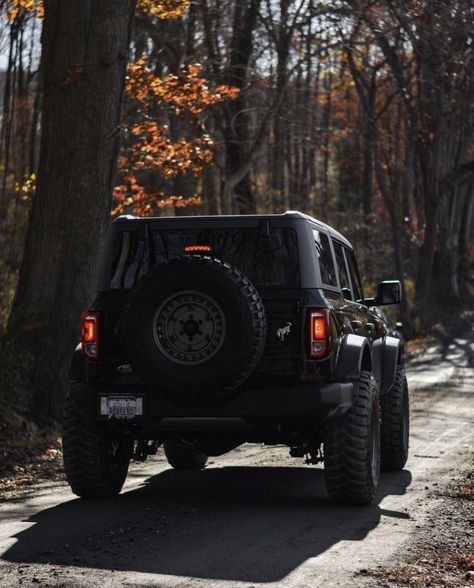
(456,352)
(234,523)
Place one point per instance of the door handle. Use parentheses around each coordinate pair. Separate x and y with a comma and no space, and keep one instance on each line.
(356,325)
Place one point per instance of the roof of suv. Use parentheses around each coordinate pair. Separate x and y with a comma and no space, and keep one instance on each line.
(288,214)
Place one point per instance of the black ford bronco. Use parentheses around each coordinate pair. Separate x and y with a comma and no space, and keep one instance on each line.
(209,332)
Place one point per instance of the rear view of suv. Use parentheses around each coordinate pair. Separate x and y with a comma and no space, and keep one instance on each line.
(209,332)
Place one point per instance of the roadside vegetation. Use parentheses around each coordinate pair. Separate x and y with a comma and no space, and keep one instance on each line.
(442,551)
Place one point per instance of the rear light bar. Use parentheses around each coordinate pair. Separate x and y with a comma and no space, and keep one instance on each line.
(197,248)
(90,334)
(318,333)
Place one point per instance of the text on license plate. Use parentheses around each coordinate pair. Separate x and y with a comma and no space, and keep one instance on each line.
(121,407)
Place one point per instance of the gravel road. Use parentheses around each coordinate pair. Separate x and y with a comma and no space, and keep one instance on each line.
(254,516)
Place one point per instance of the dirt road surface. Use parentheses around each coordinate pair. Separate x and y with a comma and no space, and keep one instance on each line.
(254,516)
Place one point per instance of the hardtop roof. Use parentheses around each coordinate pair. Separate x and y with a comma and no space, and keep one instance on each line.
(289,214)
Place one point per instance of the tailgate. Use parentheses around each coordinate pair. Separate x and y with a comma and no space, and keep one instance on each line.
(281,355)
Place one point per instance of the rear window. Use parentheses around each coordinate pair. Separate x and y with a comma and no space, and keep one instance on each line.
(268,261)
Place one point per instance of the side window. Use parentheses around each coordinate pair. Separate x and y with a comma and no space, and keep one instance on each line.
(326,262)
(341,266)
(355,279)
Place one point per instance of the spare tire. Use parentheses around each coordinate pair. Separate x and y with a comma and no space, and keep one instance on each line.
(196,328)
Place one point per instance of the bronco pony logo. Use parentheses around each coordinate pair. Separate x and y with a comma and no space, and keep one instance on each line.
(282,332)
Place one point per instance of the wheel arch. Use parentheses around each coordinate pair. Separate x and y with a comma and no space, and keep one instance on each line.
(354,356)
(392,357)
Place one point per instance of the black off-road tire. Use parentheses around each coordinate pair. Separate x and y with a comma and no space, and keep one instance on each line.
(184,456)
(352,447)
(158,340)
(95,465)
(395,429)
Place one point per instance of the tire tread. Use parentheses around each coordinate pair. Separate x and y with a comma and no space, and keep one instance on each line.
(86,462)
(346,448)
(394,453)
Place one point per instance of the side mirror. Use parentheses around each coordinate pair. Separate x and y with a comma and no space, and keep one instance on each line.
(388,292)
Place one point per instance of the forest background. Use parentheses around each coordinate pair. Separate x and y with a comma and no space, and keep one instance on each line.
(360,113)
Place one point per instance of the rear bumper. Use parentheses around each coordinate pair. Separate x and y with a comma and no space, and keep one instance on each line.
(312,400)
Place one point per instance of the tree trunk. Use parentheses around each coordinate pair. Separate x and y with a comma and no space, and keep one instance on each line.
(239,197)
(84,58)
(280,123)
(210,189)
(466,278)
(396,230)
(426,261)
(327,123)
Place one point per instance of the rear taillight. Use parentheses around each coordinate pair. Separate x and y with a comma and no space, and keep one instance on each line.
(90,334)
(318,332)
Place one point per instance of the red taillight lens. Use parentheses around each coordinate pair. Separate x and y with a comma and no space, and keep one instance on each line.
(90,334)
(318,333)
(197,249)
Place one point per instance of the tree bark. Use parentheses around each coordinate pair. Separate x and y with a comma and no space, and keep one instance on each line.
(84,58)
(238,196)
(283,36)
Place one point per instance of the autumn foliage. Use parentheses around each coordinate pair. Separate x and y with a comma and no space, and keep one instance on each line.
(188,92)
(164,9)
(152,151)
(17,8)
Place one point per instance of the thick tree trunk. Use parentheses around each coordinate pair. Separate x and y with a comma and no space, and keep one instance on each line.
(238,196)
(310,116)
(426,261)
(280,123)
(367,172)
(466,278)
(85,49)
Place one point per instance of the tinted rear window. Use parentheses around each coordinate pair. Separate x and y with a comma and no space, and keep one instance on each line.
(267,261)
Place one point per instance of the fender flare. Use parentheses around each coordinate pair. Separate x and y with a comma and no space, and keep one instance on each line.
(392,355)
(354,355)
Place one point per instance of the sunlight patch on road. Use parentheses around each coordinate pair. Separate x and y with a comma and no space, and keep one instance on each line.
(8,533)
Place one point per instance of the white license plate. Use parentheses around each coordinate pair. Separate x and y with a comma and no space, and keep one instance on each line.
(121,407)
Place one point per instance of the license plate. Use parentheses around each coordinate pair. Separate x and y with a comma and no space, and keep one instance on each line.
(121,407)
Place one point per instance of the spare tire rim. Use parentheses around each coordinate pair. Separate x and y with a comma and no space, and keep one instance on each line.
(189,327)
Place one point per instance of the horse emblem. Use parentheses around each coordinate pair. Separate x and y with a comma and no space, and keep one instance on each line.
(282,332)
